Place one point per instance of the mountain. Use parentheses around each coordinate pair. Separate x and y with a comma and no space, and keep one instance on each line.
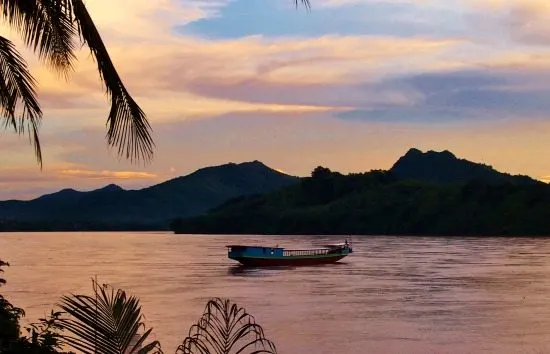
(445,167)
(153,207)
(423,194)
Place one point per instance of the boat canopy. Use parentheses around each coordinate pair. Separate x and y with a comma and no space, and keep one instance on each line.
(249,246)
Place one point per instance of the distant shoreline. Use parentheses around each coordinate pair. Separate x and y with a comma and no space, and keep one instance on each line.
(169,232)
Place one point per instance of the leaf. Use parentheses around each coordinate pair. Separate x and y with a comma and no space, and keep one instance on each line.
(107,323)
(18,103)
(226,328)
(128,129)
(46,27)
(306,3)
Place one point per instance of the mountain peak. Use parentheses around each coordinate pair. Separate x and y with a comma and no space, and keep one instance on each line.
(252,163)
(110,188)
(441,154)
(413,152)
(255,165)
(444,166)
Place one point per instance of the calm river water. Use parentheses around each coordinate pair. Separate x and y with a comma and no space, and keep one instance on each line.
(393,295)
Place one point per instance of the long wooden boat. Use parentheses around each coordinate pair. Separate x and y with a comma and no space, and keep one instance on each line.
(279,256)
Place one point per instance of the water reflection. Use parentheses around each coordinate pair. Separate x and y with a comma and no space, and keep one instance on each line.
(245,270)
(242,270)
(392,295)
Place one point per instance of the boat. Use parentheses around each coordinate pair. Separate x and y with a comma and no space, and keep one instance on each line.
(280,256)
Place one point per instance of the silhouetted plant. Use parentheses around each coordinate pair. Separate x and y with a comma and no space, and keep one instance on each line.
(9,318)
(43,337)
(109,322)
(52,29)
(225,328)
(106,323)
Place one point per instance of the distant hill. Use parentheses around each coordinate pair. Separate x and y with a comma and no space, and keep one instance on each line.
(423,194)
(112,207)
(445,167)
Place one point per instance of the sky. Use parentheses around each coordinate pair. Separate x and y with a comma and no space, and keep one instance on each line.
(350,85)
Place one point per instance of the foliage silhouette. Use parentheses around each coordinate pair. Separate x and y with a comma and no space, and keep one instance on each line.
(51,29)
(225,328)
(43,338)
(379,203)
(110,322)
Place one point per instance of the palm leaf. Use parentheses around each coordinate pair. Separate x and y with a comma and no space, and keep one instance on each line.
(18,103)
(225,328)
(107,323)
(128,129)
(306,3)
(49,27)
(46,27)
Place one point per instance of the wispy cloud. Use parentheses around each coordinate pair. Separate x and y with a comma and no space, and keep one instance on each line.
(108,175)
(241,80)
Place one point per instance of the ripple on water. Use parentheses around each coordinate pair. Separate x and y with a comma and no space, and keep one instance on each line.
(392,295)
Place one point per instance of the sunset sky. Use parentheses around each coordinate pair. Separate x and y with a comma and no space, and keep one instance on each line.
(350,85)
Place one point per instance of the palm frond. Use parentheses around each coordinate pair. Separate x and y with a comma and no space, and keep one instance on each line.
(225,328)
(306,3)
(46,27)
(128,128)
(18,103)
(108,322)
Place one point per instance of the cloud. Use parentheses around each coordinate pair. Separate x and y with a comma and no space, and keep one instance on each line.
(188,77)
(525,21)
(28,183)
(110,175)
(228,80)
(500,92)
(61,173)
(293,142)
(294,72)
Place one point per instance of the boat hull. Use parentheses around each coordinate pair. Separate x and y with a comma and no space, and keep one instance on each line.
(287,261)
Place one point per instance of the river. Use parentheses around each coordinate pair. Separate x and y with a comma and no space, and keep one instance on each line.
(392,295)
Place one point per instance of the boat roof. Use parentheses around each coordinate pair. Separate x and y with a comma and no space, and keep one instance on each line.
(293,249)
(253,246)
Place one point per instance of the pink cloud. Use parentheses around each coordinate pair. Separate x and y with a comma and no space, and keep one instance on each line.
(108,175)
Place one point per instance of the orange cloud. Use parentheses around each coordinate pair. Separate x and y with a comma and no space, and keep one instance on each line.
(165,76)
(106,174)
(27,183)
(160,67)
(273,82)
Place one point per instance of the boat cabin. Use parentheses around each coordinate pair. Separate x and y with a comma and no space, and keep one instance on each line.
(254,251)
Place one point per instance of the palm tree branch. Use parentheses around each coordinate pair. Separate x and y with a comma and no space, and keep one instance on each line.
(109,323)
(128,128)
(46,27)
(211,337)
(224,328)
(18,101)
(306,3)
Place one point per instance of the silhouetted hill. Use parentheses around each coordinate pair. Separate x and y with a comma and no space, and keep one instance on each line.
(408,199)
(112,207)
(444,167)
